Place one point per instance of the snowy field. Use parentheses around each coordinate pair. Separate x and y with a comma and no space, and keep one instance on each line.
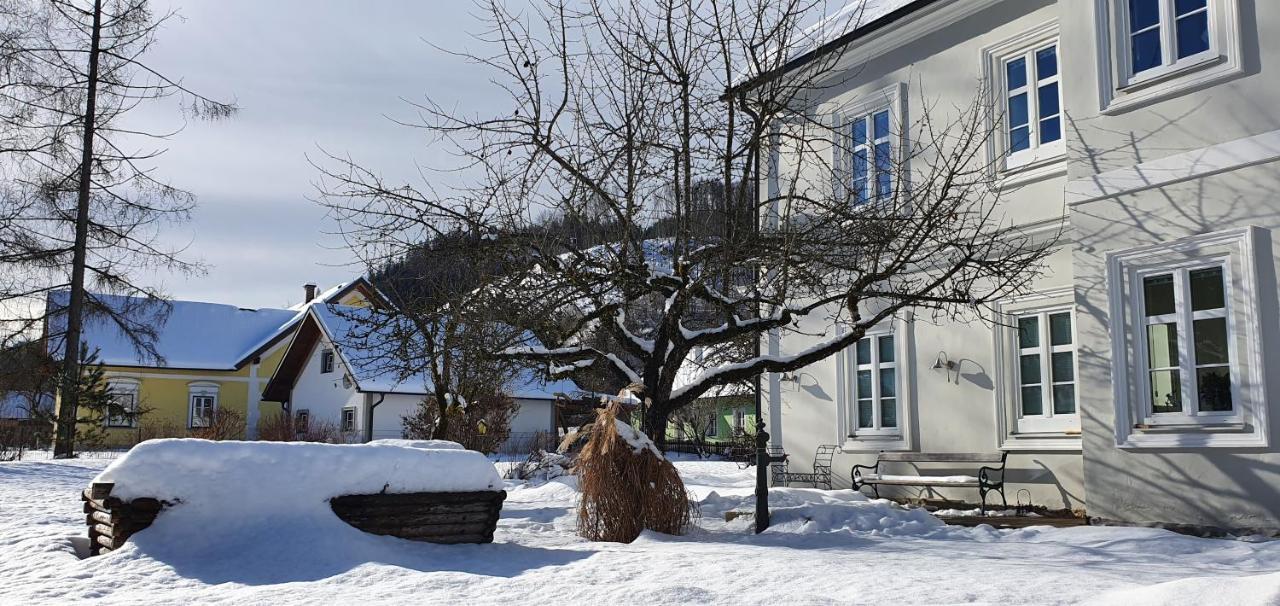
(824,548)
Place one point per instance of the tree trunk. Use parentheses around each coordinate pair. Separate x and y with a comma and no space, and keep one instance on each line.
(64,436)
(654,423)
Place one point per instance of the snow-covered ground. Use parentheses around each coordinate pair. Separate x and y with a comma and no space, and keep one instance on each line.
(824,547)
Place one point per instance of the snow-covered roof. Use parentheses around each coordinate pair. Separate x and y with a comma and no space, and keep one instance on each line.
(354,333)
(853,16)
(189,334)
(850,20)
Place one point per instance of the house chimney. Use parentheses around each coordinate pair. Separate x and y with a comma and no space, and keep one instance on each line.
(310,292)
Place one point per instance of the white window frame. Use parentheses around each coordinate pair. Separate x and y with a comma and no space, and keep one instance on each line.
(875,366)
(117,388)
(846,433)
(301,419)
(713,426)
(1015,432)
(1121,89)
(1183,318)
(327,357)
(1170,63)
(348,415)
(893,99)
(1048,421)
(739,420)
(1038,161)
(201,391)
(1135,426)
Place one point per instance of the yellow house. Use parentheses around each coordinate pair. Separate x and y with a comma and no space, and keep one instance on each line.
(209,357)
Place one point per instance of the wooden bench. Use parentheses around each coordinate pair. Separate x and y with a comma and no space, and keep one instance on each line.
(984,479)
(783,476)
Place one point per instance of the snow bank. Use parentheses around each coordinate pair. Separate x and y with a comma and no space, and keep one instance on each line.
(810,511)
(271,475)
(1258,590)
(426,444)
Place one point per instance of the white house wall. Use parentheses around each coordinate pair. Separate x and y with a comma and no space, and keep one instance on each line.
(323,395)
(388,417)
(942,414)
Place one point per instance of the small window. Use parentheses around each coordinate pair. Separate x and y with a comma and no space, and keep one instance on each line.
(1188,364)
(348,419)
(1032,102)
(1187,344)
(123,409)
(1046,373)
(1162,34)
(739,420)
(202,403)
(302,421)
(875,386)
(1161,48)
(713,426)
(870,156)
(326,361)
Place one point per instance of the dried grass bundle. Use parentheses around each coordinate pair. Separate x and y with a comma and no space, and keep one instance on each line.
(626,484)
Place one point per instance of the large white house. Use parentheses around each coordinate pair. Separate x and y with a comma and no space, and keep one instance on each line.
(1133,382)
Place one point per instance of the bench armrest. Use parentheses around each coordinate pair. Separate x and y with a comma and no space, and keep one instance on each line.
(855,473)
(985,473)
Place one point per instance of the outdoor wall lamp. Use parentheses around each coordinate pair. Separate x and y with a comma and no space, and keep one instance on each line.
(947,365)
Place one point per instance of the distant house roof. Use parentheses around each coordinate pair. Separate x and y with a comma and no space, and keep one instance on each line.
(357,345)
(189,334)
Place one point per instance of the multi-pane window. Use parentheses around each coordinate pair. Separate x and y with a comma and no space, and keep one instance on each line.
(123,409)
(871,157)
(1187,342)
(713,426)
(739,420)
(1162,33)
(326,361)
(1046,366)
(202,407)
(875,386)
(1033,99)
(348,419)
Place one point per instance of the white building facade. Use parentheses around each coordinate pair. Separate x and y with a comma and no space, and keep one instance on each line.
(1130,382)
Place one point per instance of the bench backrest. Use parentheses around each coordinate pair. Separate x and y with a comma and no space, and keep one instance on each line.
(943,457)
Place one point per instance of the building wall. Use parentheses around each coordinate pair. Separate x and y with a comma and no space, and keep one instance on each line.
(1174,138)
(325,395)
(959,411)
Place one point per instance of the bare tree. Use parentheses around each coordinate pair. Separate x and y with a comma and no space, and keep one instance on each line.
(616,113)
(79,206)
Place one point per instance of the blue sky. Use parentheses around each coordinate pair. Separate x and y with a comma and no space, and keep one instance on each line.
(307,75)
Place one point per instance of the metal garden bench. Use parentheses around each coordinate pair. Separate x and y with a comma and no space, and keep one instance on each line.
(783,476)
(985,478)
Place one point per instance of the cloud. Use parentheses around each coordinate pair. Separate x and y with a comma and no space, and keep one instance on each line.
(307,75)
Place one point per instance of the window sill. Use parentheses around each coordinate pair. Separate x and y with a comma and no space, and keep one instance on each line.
(1033,170)
(1171,81)
(1069,442)
(873,443)
(1225,435)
